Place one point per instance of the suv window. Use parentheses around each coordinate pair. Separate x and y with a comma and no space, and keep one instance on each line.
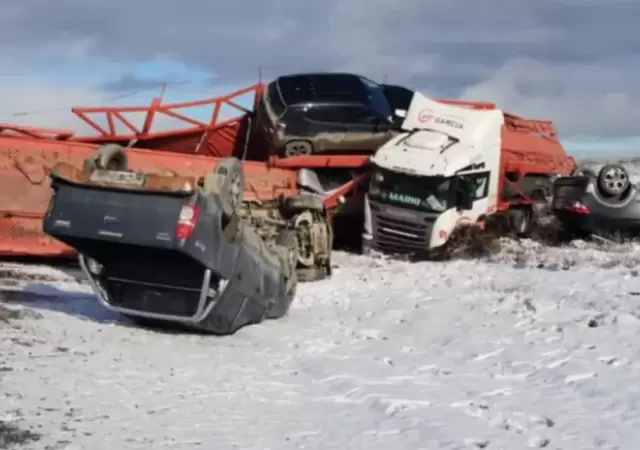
(377,99)
(275,101)
(326,114)
(359,115)
(399,97)
(347,115)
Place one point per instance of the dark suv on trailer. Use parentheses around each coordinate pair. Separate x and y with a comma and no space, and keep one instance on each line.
(325,112)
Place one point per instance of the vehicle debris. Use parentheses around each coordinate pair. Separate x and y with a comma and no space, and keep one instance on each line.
(172,249)
(604,206)
(284,152)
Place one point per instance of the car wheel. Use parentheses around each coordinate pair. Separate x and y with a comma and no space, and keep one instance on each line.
(109,157)
(298,148)
(613,180)
(522,221)
(286,248)
(227,182)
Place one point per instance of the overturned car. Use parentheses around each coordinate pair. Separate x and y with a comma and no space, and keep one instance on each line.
(172,249)
(605,204)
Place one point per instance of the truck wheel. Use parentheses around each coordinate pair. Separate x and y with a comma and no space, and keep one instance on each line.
(522,221)
(304,202)
(227,183)
(298,148)
(109,157)
(303,225)
(613,180)
(286,248)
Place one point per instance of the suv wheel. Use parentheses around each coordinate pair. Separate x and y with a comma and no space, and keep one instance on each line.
(298,148)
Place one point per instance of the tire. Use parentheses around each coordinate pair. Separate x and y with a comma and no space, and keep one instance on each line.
(522,221)
(297,148)
(304,221)
(109,157)
(304,202)
(613,181)
(286,247)
(227,183)
(308,275)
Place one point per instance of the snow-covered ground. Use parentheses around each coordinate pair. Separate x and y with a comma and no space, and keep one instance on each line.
(532,347)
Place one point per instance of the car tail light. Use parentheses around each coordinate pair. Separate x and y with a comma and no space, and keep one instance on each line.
(579,208)
(187,221)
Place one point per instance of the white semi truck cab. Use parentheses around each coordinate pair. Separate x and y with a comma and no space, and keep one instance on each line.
(440,173)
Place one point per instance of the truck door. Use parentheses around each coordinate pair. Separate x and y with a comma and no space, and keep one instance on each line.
(477,185)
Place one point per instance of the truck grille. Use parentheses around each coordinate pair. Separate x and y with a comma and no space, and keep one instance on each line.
(392,234)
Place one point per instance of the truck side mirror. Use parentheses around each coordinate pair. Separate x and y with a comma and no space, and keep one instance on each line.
(401,113)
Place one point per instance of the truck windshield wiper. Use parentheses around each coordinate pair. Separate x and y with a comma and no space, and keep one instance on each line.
(409,134)
(452,139)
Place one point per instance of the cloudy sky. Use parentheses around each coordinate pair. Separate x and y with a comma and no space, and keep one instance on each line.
(574,61)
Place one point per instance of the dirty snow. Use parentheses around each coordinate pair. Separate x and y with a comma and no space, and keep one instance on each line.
(533,347)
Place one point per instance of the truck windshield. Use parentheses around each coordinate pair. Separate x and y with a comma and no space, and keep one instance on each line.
(377,99)
(416,192)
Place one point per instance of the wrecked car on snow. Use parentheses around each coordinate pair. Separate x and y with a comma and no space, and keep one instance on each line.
(171,249)
(605,204)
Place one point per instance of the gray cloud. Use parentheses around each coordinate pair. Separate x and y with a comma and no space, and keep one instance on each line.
(129,82)
(574,61)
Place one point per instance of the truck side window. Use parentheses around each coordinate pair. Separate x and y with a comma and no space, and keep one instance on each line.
(480,184)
